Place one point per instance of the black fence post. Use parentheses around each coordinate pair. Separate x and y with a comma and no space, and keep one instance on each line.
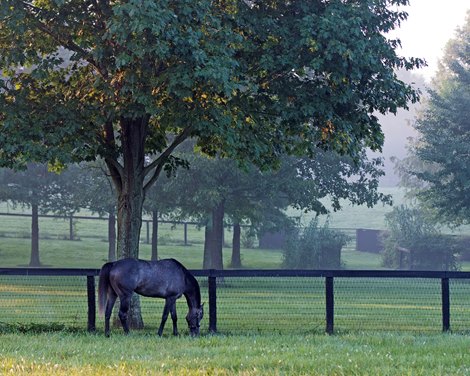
(330,304)
(147,238)
(185,233)
(445,304)
(90,282)
(212,302)
(71,236)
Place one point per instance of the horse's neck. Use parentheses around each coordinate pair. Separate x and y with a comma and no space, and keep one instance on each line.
(193,296)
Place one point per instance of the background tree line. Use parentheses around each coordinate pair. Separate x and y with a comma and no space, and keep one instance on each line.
(211,191)
(436,172)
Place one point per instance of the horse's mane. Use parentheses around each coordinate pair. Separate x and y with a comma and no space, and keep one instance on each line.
(192,281)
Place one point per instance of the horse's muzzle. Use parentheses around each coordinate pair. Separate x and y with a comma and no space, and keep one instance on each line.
(194,331)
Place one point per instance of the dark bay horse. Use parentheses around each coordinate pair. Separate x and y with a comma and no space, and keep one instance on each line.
(167,279)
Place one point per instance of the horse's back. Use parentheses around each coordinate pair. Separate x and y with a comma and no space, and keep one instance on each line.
(161,278)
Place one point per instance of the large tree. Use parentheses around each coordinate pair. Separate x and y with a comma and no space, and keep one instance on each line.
(248,79)
(438,166)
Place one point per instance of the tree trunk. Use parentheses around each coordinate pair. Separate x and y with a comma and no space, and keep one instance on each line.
(130,191)
(154,256)
(236,258)
(206,262)
(111,237)
(34,260)
(213,243)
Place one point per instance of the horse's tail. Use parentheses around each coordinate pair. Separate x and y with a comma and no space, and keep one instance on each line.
(103,285)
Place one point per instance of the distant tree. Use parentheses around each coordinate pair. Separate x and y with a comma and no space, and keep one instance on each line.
(314,247)
(412,230)
(34,188)
(213,189)
(438,167)
(90,186)
(161,201)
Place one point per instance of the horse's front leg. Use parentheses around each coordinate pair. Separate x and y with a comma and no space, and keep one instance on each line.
(174,318)
(169,307)
(166,310)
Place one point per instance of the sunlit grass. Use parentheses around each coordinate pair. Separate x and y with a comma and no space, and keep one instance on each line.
(146,354)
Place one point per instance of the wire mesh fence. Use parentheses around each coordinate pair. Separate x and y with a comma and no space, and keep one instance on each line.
(270,304)
(44,300)
(460,305)
(250,303)
(388,304)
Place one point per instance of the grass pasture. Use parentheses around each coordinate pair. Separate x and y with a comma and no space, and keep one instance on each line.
(267,326)
(145,354)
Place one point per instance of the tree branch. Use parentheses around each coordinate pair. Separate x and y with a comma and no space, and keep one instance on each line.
(158,163)
(64,39)
(115,168)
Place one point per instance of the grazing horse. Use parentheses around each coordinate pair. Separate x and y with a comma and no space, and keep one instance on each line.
(167,279)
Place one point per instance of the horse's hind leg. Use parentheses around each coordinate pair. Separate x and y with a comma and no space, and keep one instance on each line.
(109,310)
(124,310)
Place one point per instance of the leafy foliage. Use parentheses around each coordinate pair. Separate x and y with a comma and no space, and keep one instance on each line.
(412,230)
(438,167)
(315,247)
(251,80)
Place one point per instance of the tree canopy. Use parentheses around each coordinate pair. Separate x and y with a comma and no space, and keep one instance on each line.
(438,166)
(220,191)
(251,80)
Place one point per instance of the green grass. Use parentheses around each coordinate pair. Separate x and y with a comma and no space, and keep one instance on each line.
(269,326)
(89,253)
(146,354)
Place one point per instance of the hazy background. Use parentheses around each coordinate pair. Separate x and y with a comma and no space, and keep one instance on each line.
(430,25)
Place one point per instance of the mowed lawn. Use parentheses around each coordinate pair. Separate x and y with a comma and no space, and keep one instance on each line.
(145,354)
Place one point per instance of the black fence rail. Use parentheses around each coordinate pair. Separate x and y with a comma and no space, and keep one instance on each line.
(307,301)
(65,228)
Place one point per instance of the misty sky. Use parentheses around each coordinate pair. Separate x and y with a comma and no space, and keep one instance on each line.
(430,24)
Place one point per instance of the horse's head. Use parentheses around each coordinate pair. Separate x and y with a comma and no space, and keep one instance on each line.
(194,318)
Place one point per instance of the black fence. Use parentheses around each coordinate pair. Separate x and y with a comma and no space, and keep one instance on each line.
(65,228)
(257,301)
(170,232)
